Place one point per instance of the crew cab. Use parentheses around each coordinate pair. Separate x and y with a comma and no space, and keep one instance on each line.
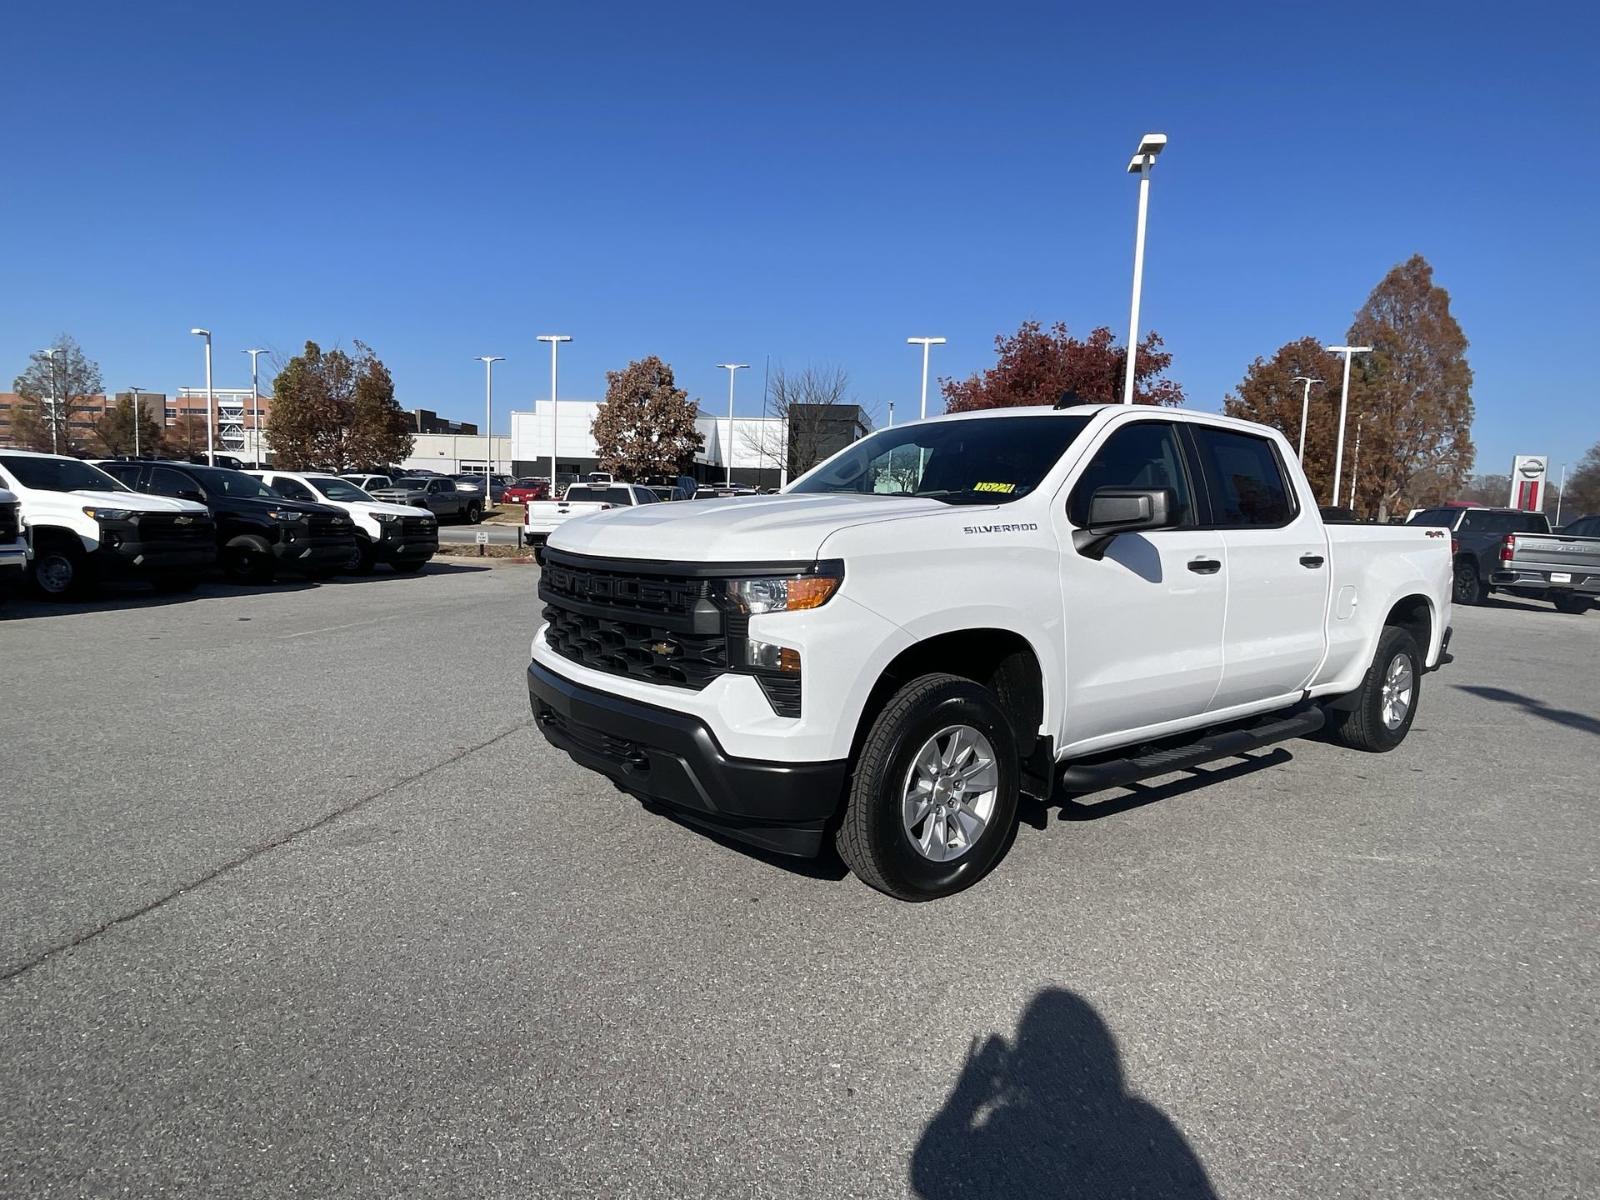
(950,612)
(396,534)
(436,493)
(581,499)
(1513,551)
(258,532)
(13,545)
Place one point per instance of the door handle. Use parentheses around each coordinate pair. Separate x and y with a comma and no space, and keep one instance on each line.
(1205,566)
(1312,561)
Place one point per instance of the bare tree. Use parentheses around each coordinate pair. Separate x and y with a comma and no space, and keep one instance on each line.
(805,403)
(59,395)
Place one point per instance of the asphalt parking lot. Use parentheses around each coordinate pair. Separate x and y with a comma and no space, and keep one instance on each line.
(297,902)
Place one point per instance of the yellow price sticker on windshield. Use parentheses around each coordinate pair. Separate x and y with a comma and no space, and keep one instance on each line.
(1002,488)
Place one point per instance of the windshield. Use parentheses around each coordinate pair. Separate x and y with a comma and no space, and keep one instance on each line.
(990,461)
(221,481)
(336,489)
(59,474)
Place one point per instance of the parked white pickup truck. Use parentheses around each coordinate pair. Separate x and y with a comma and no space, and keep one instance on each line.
(401,535)
(952,611)
(581,500)
(83,525)
(13,545)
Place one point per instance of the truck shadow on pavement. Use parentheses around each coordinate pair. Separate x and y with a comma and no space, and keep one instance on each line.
(132,595)
(1049,1114)
(1535,707)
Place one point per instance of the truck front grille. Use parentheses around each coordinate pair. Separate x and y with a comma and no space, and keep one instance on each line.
(179,529)
(9,524)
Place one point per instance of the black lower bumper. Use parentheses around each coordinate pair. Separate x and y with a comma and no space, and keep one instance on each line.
(127,558)
(305,554)
(672,759)
(413,550)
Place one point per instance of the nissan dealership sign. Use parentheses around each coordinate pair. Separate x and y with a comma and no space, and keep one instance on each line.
(1527,482)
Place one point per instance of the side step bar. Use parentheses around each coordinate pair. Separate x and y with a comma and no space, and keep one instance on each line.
(1116,772)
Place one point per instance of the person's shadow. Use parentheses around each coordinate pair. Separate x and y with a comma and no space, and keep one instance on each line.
(1048,1115)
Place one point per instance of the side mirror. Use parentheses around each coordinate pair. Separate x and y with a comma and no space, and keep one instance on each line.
(1114,510)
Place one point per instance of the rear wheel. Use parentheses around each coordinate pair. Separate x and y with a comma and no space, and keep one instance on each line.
(1469,584)
(933,797)
(1386,702)
(474,513)
(1572,604)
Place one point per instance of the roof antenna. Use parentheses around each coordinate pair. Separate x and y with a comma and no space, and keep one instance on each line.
(1068,399)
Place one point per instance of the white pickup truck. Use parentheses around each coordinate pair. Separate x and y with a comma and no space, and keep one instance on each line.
(401,535)
(83,525)
(544,517)
(949,612)
(13,544)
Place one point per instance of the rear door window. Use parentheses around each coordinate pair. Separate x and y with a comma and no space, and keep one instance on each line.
(1249,488)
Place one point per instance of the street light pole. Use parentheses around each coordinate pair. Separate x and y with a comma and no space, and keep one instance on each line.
(488,361)
(55,403)
(730,368)
(555,340)
(134,392)
(1349,352)
(1143,161)
(1305,410)
(211,452)
(925,342)
(255,403)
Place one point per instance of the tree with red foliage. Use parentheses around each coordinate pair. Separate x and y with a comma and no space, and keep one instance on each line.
(1039,366)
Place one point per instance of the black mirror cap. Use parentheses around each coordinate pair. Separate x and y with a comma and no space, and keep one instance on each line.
(1118,510)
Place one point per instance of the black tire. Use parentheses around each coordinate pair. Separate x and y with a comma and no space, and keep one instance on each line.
(410,567)
(175,585)
(1572,605)
(1363,727)
(474,513)
(1468,583)
(59,570)
(248,560)
(362,558)
(872,837)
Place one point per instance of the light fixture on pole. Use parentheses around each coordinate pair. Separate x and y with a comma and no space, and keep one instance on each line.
(211,455)
(1561,495)
(1305,409)
(731,368)
(1141,164)
(1349,352)
(891,414)
(555,340)
(134,392)
(1355,462)
(55,403)
(255,403)
(488,361)
(925,342)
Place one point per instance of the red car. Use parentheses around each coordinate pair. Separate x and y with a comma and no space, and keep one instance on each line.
(520,491)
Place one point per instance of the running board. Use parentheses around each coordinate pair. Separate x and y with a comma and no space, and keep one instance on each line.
(1116,772)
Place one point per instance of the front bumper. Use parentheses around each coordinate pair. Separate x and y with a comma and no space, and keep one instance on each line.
(125,557)
(301,553)
(406,550)
(673,759)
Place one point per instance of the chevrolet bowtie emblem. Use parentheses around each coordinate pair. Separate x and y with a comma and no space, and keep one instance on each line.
(664,649)
(183,521)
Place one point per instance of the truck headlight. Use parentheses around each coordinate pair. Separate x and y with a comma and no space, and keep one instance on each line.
(386,518)
(793,594)
(284,514)
(108,514)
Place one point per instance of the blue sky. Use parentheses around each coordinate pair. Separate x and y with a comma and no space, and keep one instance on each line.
(807,183)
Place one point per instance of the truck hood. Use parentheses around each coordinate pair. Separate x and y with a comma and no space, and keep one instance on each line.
(364,508)
(754,529)
(136,501)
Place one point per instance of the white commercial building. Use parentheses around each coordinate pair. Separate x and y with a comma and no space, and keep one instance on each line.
(454,453)
(753,446)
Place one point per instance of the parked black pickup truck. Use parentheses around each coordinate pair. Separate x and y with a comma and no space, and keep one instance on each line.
(1508,550)
(258,531)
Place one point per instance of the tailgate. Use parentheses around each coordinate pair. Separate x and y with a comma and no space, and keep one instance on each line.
(545,515)
(1555,559)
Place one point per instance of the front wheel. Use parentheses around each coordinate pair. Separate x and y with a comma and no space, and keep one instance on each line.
(933,797)
(1386,702)
(1468,584)
(1573,605)
(58,570)
(361,560)
(248,560)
